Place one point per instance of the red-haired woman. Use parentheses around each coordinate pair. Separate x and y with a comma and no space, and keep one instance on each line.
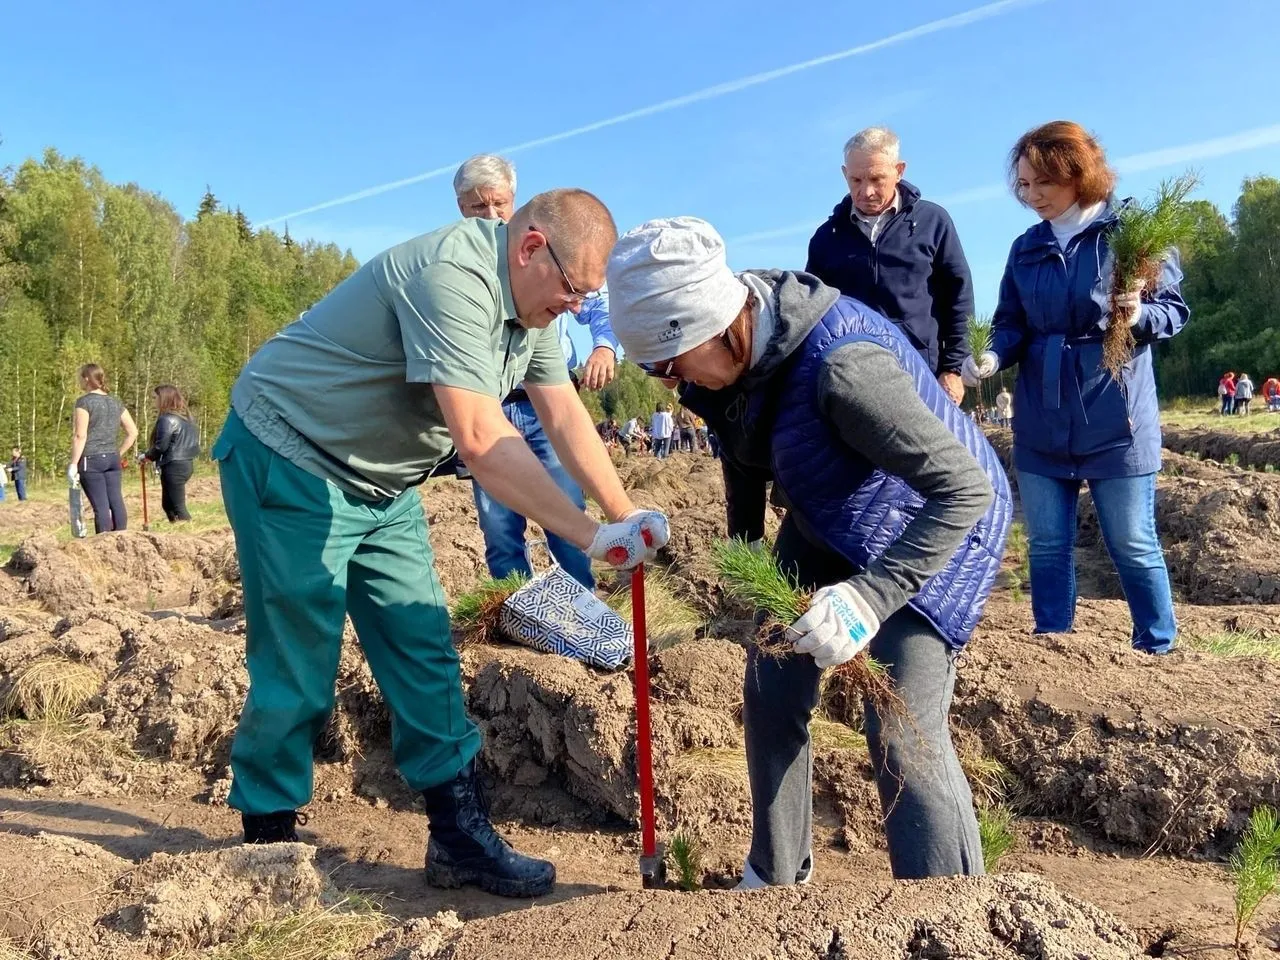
(1074,422)
(175,444)
(96,460)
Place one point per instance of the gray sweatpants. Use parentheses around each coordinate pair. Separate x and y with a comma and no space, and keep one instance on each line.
(928,808)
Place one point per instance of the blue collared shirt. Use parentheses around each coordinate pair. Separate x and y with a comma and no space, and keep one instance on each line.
(595,315)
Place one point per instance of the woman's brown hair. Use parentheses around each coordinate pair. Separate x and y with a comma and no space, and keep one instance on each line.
(94,376)
(737,336)
(1066,153)
(169,399)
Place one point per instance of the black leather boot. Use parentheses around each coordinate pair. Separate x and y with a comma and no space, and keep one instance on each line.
(279,827)
(463,847)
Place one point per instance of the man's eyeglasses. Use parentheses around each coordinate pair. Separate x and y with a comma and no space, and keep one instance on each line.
(573,291)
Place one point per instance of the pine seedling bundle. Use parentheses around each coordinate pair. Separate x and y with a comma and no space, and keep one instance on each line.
(754,577)
(476,613)
(1140,242)
(978,332)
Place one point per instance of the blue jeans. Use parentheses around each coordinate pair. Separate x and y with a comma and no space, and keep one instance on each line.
(504,547)
(662,447)
(1126,514)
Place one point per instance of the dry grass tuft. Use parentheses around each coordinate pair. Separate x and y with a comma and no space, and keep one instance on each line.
(830,734)
(476,613)
(668,617)
(319,933)
(1245,643)
(723,761)
(989,779)
(52,688)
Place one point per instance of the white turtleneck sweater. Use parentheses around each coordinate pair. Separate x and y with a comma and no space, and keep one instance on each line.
(1073,220)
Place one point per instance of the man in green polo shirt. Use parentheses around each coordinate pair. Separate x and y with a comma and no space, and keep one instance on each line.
(334,422)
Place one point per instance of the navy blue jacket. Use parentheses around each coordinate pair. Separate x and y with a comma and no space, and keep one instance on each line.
(915,273)
(773,423)
(1071,419)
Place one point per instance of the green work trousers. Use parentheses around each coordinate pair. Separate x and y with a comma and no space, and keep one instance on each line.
(309,555)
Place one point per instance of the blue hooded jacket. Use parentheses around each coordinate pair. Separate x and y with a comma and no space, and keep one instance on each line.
(1071,419)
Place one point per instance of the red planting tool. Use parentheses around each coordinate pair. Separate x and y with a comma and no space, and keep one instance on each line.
(653,868)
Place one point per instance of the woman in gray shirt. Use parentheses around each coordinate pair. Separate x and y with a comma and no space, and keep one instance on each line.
(96,461)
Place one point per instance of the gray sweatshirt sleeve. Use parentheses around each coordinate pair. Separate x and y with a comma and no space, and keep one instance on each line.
(872,403)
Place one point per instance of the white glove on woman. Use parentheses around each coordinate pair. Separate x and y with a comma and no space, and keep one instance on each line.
(73,475)
(633,540)
(1129,306)
(837,626)
(972,372)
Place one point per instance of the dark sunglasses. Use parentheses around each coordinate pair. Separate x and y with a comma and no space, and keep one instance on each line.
(661,370)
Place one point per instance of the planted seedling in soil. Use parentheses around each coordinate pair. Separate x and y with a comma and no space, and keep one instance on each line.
(1255,866)
(476,613)
(686,855)
(754,577)
(995,830)
(1140,242)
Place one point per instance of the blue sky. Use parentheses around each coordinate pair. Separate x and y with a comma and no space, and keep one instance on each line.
(733,111)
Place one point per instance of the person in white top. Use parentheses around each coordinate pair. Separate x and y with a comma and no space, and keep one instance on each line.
(1004,407)
(661,427)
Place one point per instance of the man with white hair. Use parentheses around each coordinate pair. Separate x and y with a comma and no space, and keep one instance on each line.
(898,254)
(485,187)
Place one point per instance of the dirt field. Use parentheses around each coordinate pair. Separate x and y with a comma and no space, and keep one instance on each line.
(121,673)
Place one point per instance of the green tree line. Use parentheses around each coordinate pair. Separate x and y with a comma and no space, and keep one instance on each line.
(1232,285)
(92,271)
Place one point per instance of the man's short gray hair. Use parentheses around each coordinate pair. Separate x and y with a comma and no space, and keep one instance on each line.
(484,170)
(874,140)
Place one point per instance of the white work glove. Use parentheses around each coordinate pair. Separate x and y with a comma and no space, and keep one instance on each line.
(972,372)
(73,475)
(633,540)
(837,626)
(1130,307)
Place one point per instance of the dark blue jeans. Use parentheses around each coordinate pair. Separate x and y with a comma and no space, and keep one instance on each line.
(504,547)
(1126,514)
(100,477)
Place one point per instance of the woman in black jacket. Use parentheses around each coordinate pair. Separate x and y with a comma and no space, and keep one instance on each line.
(175,444)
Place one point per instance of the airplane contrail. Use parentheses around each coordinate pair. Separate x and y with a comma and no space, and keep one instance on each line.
(954,22)
(1134,163)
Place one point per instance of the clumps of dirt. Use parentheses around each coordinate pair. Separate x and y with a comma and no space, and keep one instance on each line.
(560,741)
(1163,754)
(83,902)
(144,571)
(1006,916)
(200,899)
(1219,534)
(52,882)
(1259,450)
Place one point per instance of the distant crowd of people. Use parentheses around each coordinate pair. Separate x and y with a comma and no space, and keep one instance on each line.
(666,433)
(1236,392)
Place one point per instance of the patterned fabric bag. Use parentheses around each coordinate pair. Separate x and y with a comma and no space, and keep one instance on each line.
(554,613)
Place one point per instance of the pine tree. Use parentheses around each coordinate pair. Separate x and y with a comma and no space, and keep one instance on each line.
(208,204)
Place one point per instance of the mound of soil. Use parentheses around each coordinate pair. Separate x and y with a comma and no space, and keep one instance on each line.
(1219,529)
(1014,915)
(51,881)
(81,901)
(1258,450)
(1159,753)
(145,571)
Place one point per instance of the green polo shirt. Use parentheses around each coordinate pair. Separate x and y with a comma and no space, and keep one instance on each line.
(345,390)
